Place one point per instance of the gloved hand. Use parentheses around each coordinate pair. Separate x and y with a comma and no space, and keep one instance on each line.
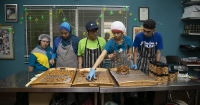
(133,66)
(91,74)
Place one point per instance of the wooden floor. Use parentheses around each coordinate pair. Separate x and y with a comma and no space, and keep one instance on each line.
(7,98)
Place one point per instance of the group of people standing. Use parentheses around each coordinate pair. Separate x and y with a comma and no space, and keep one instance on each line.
(71,51)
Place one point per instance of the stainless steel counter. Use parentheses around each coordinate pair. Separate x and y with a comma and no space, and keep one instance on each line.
(17,82)
(180,84)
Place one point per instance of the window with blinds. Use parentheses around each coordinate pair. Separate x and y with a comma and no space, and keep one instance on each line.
(36,26)
(77,17)
(84,16)
(57,19)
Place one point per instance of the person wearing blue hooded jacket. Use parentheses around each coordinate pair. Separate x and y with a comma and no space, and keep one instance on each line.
(65,48)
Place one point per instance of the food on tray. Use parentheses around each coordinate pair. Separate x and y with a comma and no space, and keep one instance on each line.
(60,79)
(61,73)
(123,70)
(85,73)
(92,80)
(119,60)
(58,75)
(67,77)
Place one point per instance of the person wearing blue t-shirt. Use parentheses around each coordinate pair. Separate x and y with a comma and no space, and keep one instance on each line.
(65,48)
(119,45)
(40,56)
(149,44)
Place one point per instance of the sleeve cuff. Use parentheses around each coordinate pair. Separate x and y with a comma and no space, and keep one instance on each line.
(31,64)
(54,55)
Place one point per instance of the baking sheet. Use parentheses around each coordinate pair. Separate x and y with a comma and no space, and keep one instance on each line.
(54,77)
(102,77)
(134,75)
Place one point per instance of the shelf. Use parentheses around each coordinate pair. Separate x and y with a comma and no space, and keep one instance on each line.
(191,19)
(182,49)
(190,3)
(193,64)
(191,34)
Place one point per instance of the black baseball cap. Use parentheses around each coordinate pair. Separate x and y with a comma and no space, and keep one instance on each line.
(149,24)
(91,25)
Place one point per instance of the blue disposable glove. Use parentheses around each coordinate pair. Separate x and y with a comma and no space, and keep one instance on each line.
(133,66)
(91,74)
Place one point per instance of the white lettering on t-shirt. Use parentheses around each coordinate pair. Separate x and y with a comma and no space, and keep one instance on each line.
(148,44)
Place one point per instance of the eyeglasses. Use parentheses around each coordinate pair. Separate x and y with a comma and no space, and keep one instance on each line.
(93,31)
(146,31)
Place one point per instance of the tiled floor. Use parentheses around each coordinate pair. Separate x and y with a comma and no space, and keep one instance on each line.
(7,98)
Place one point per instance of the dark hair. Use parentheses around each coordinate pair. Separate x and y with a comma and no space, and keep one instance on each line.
(149,24)
(92,29)
(39,42)
(107,35)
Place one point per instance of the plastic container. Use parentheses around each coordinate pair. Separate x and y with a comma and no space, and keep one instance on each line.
(123,63)
(165,69)
(159,69)
(165,78)
(154,76)
(171,75)
(159,79)
(185,74)
(150,75)
(106,63)
(154,68)
(150,65)
(176,73)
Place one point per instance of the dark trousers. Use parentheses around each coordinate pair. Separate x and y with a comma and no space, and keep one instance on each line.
(127,98)
(150,96)
(22,98)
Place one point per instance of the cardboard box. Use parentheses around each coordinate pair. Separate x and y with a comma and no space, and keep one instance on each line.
(40,98)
